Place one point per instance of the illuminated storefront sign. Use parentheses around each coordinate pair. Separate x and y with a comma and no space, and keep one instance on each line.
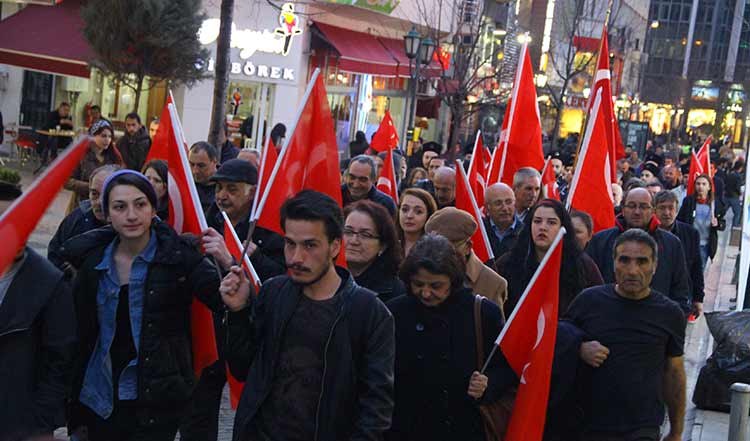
(250,41)
(249,69)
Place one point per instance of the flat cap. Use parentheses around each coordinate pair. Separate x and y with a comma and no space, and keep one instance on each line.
(453,224)
(236,170)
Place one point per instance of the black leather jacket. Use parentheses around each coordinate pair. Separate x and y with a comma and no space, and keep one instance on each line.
(356,400)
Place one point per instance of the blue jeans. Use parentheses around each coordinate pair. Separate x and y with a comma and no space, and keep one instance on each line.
(704,254)
(736,206)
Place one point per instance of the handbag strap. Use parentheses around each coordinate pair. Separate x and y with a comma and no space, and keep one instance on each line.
(478,330)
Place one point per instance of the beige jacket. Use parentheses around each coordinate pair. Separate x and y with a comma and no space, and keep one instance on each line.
(486,282)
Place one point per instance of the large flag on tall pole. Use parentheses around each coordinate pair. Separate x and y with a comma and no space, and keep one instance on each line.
(591,189)
(20,219)
(523,139)
(185,216)
(386,137)
(465,201)
(309,159)
(478,171)
(528,343)
(387,178)
(602,81)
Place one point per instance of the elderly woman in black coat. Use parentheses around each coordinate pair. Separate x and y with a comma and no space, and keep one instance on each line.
(438,388)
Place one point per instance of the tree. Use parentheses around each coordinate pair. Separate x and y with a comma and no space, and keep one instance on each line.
(136,39)
(221,79)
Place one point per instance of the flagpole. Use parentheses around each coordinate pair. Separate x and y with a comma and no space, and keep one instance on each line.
(475,207)
(538,271)
(581,157)
(513,104)
(474,150)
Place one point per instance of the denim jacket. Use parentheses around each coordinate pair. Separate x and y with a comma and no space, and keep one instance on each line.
(97,392)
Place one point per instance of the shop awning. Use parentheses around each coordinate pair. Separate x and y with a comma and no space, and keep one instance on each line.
(396,48)
(360,52)
(47,39)
(586,44)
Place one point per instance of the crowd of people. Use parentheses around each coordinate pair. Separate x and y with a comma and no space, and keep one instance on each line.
(390,347)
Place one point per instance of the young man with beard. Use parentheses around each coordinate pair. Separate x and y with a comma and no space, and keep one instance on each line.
(235,182)
(671,278)
(316,351)
(135,144)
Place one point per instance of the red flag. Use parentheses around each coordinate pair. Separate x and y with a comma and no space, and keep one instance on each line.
(699,164)
(386,138)
(523,147)
(308,160)
(528,343)
(591,189)
(235,249)
(465,201)
(477,171)
(603,82)
(549,181)
(185,216)
(20,219)
(267,162)
(387,178)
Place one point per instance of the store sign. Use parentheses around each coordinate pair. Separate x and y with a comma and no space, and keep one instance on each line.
(249,41)
(575,102)
(257,70)
(384,6)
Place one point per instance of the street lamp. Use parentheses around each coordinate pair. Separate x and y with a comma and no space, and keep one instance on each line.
(419,50)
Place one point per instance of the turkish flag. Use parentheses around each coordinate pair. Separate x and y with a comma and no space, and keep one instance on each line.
(523,139)
(308,160)
(477,174)
(20,219)
(387,178)
(699,164)
(603,82)
(185,216)
(528,343)
(267,162)
(591,189)
(549,181)
(235,249)
(465,201)
(386,138)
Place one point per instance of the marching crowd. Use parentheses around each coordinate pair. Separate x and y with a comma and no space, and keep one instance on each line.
(97,337)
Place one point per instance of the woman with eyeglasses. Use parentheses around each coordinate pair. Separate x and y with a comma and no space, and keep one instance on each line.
(705,212)
(373,253)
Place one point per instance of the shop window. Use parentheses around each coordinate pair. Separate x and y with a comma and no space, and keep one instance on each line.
(117,99)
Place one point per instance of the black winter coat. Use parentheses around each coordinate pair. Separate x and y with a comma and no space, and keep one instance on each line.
(436,353)
(134,149)
(177,274)
(37,343)
(79,221)
(499,248)
(671,278)
(356,400)
(687,215)
(386,286)
(690,240)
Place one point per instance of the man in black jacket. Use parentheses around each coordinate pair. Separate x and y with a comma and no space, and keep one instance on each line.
(135,144)
(501,223)
(671,277)
(316,350)
(666,211)
(37,342)
(360,179)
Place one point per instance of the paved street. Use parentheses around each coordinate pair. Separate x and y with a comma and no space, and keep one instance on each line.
(700,425)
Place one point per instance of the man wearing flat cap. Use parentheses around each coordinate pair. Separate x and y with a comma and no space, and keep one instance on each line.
(235,183)
(458,226)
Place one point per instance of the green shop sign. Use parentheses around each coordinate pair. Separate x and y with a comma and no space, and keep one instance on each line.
(384,6)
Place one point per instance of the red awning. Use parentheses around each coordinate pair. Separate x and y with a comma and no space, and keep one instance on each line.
(360,52)
(47,39)
(396,48)
(586,44)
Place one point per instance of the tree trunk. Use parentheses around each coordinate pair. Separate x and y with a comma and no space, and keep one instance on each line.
(138,91)
(221,80)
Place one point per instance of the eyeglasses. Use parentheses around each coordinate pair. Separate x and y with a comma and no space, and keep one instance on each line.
(363,235)
(642,207)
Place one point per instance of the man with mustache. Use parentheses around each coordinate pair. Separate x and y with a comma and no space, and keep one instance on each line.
(671,278)
(633,339)
(235,182)
(316,351)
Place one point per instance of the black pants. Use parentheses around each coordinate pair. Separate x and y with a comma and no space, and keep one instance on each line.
(127,423)
(201,421)
(644,434)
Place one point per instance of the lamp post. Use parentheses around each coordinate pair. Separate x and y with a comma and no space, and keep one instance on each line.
(419,50)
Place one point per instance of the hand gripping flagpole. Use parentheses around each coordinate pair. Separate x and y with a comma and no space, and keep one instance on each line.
(255,215)
(538,271)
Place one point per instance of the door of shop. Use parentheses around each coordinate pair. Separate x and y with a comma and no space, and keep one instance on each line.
(249,113)
(36,98)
